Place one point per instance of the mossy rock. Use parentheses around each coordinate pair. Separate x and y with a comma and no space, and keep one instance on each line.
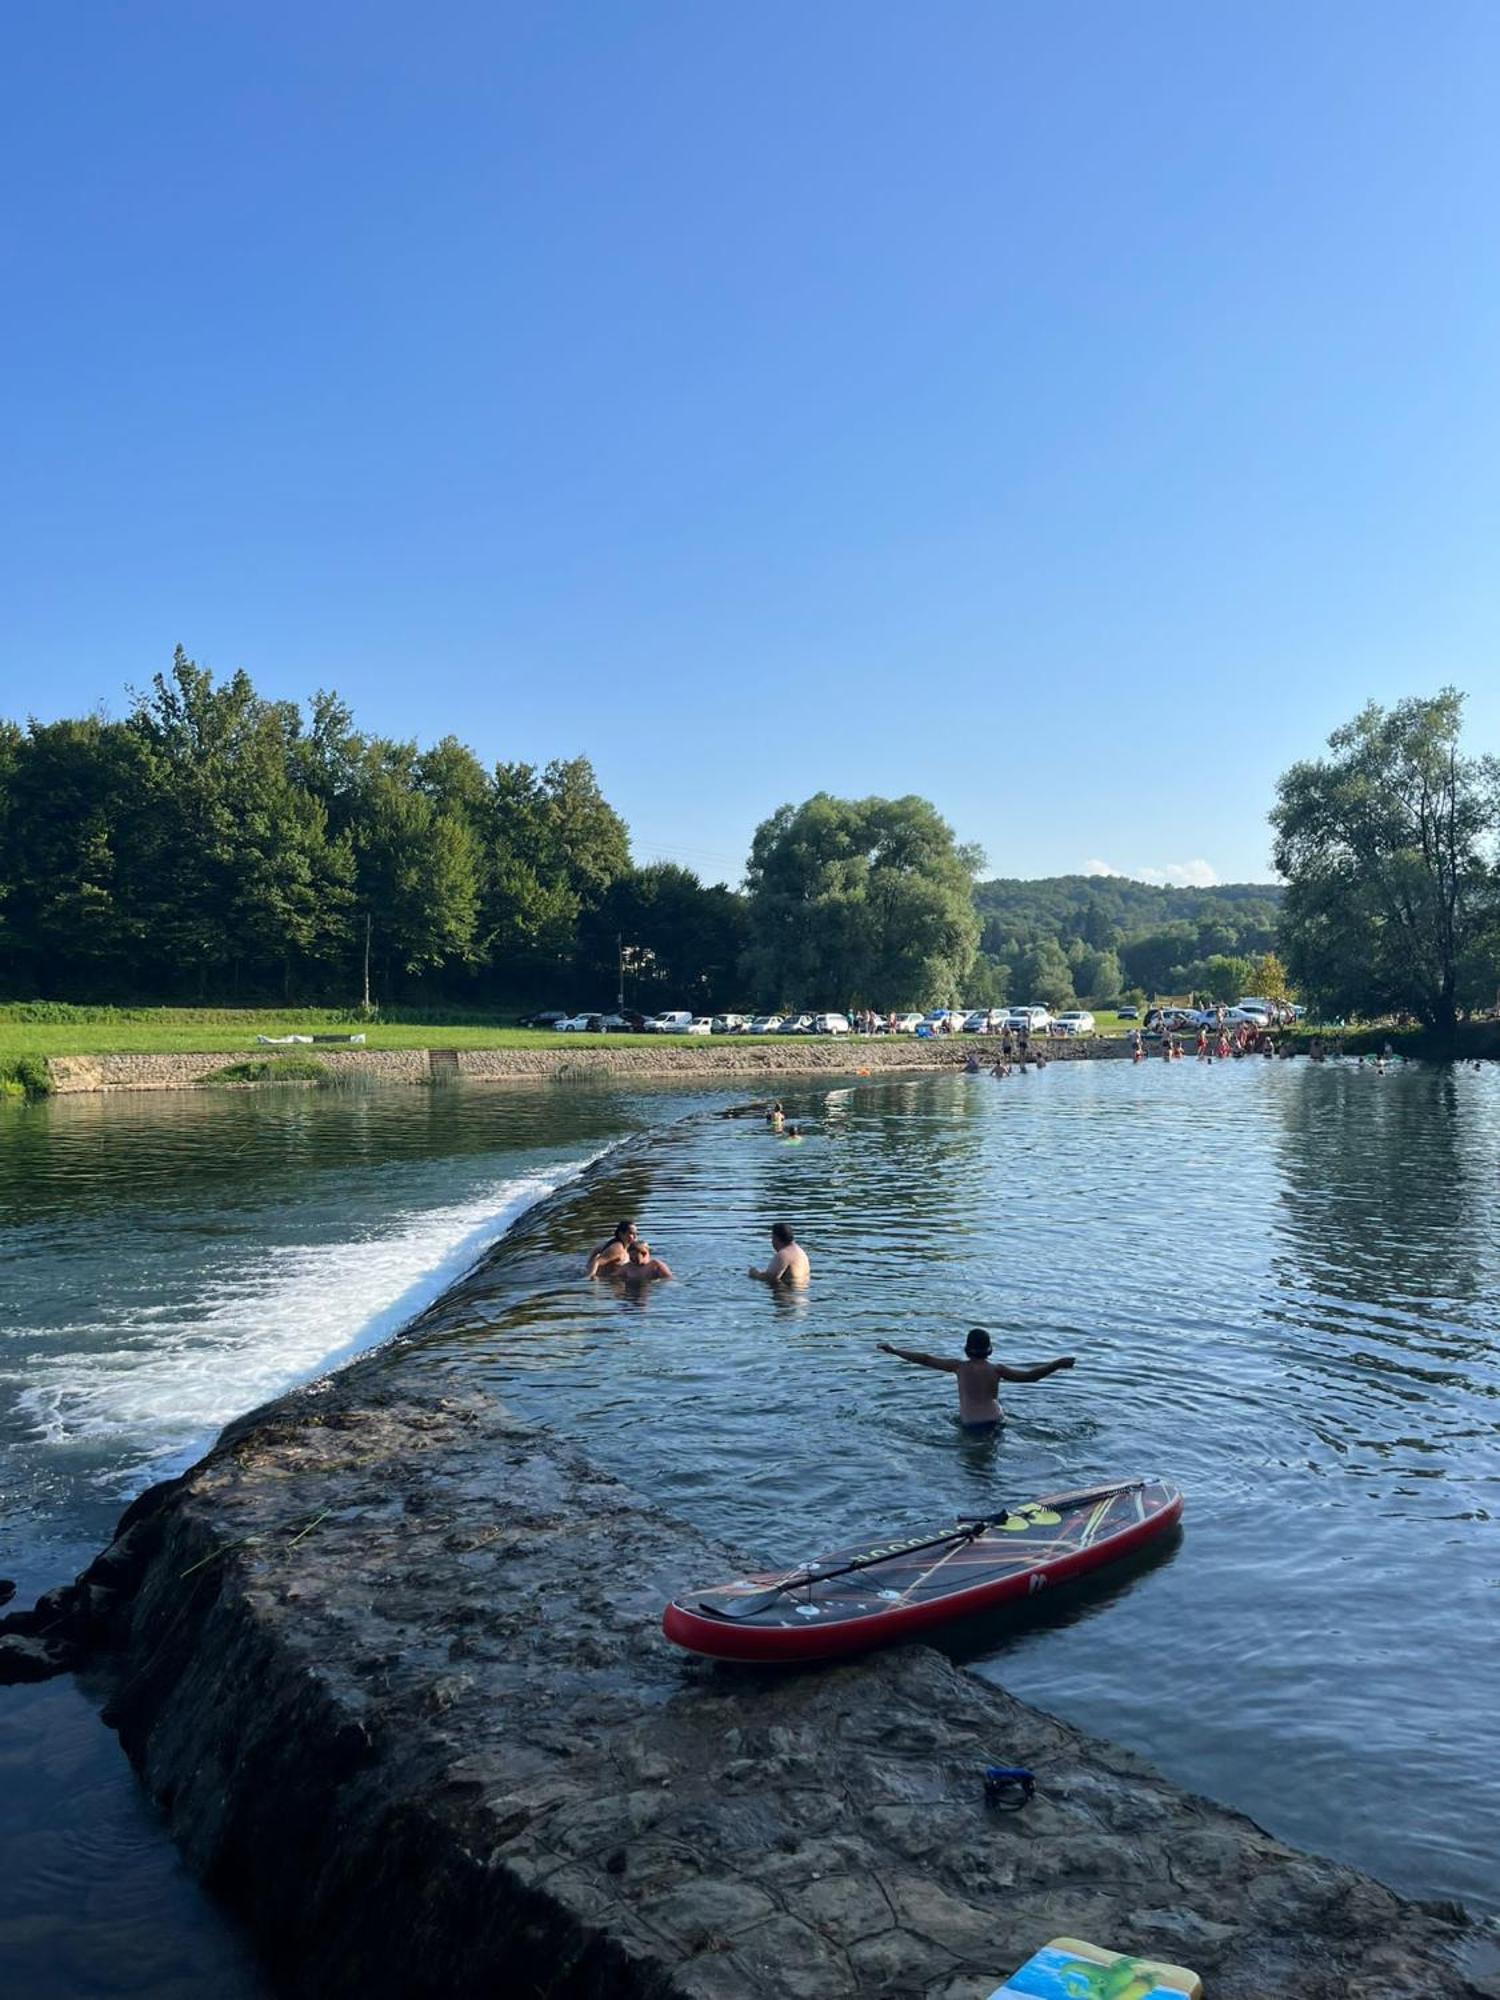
(272,1069)
(25,1076)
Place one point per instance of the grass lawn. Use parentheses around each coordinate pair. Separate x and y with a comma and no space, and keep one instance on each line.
(87,1031)
(33,1029)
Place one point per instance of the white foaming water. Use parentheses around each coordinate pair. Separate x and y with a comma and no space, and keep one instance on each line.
(174,1377)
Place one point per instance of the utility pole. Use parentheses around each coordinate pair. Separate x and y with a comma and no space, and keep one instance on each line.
(620,955)
(367,962)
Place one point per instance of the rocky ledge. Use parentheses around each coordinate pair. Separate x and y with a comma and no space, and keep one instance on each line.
(390,1664)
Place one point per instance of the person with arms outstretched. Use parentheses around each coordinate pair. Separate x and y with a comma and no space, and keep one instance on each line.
(979,1377)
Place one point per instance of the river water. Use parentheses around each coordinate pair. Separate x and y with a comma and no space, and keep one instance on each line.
(1278,1281)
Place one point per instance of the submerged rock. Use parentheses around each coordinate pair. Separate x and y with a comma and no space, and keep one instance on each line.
(391,1665)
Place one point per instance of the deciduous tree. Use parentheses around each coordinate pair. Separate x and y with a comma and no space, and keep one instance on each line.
(1388,850)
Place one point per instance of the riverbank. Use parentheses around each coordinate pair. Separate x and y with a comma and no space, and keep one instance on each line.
(389,1662)
(736,1058)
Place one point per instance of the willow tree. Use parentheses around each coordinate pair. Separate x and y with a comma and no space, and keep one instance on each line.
(860,902)
(1387,847)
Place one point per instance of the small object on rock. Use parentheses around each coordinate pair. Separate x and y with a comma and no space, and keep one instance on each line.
(7,1590)
(1068,1966)
(1008,1786)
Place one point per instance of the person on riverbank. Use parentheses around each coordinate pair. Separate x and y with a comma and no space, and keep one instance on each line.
(641,1268)
(789,1265)
(979,1376)
(610,1256)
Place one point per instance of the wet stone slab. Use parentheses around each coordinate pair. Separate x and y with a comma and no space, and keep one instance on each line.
(392,1666)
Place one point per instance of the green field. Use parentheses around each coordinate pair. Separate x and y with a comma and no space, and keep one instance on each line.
(45,1029)
(85,1031)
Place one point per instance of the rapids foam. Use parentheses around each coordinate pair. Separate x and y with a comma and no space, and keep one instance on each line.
(163,1382)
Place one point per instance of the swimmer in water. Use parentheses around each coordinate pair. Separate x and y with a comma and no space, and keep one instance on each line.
(979,1377)
(641,1267)
(610,1257)
(789,1266)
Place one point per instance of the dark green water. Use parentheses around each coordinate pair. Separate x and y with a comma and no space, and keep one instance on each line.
(1279,1282)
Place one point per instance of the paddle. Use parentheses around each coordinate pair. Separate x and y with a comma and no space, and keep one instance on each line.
(762,1600)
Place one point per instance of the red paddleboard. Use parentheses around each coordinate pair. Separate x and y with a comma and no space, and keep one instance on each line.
(876,1594)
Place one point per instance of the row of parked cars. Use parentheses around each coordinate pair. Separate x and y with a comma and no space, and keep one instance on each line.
(937,1020)
(1245,1013)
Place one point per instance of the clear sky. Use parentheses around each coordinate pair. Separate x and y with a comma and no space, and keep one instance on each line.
(1067,412)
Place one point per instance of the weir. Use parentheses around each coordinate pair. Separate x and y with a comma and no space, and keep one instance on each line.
(389,1663)
(388,1659)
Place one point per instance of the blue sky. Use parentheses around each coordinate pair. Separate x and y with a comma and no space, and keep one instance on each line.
(1069,413)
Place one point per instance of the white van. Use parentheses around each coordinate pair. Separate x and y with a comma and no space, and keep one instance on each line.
(676,1022)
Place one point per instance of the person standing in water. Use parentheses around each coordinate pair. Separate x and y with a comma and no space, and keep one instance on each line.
(979,1377)
(789,1266)
(641,1267)
(616,1252)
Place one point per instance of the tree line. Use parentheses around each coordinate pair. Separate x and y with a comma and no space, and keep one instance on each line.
(217,847)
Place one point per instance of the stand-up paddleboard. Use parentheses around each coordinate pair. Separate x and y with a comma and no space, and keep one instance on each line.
(873,1595)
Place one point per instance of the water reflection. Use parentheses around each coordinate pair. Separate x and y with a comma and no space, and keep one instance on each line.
(1274,1280)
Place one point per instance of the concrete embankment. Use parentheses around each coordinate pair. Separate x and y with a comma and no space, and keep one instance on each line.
(733,1058)
(390,1664)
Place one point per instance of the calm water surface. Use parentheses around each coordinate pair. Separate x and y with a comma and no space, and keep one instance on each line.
(1279,1282)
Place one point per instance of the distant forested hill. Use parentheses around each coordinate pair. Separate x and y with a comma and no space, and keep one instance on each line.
(1097,934)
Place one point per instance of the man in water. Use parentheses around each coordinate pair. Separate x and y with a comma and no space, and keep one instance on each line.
(789,1266)
(979,1377)
(611,1255)
(641,1267)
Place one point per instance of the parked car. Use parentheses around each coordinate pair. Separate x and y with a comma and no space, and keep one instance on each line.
(552,1017)
(1026,1020)
(675,1021)
(701,1024)
(581,1024)
(797,1024)
(830,1024)
(1077,1021)
(906,1024)
(627,1022)
(1128,1014)
(766,1024)
(983,1021)
(1258,1010)
(730,1024)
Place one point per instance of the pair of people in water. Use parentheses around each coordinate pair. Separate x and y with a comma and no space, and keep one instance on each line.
(979,1376)
(626,1256)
